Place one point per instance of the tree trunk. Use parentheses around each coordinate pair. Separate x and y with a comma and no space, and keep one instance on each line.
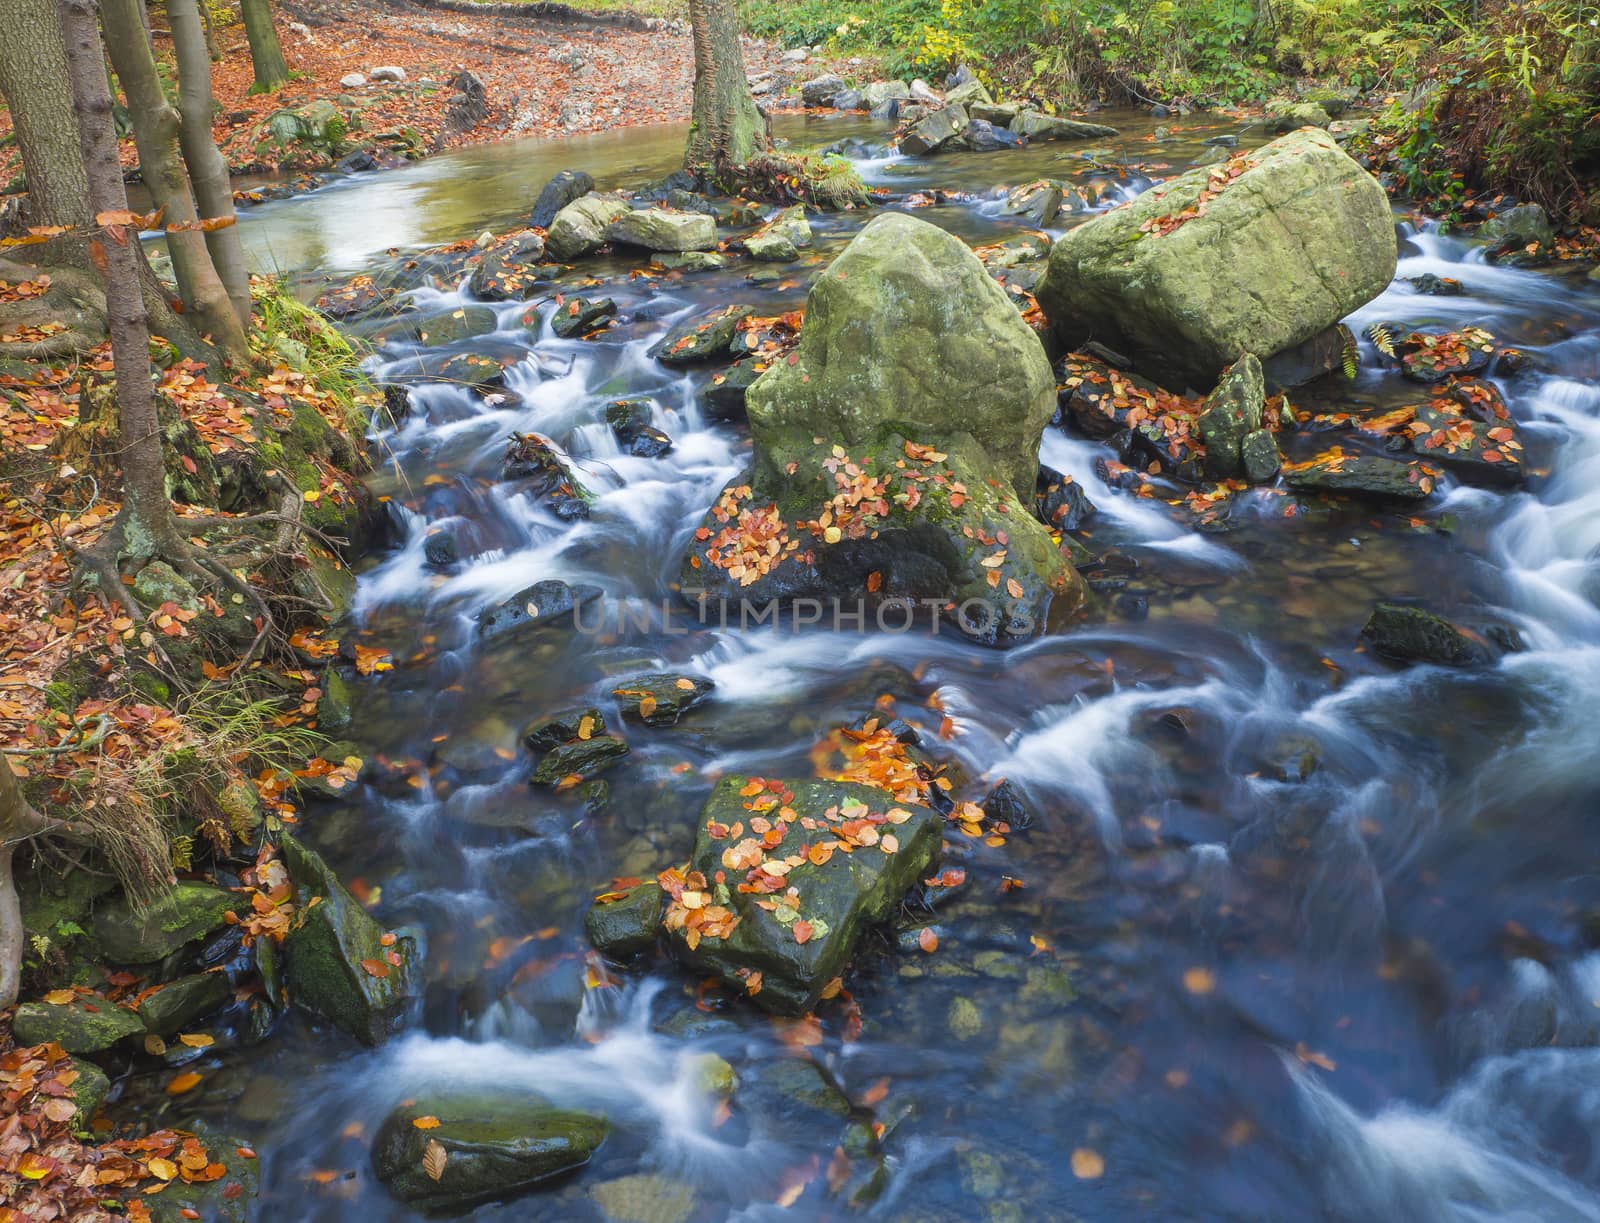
(208,170)
(33,80)
(155,132)
(266,56)
(728,129)
(214,51)
(18,821)
(145,520)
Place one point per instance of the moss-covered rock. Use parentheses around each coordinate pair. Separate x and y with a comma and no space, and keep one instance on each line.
(87,1024)
(231,1198)
(552,729)
(660,700)
(798,929)
(1366,475)
(1286,116)
(582,758)
(510,269)
(1232,411)
(578,316)
(664,229)
(451,326)
(186,912)
(490,1145)
(702,339)
(627,925)
(336,964)
(1414,634)
(1284,250)
(1036,127)
(89,1088)
(178,1004)
(580,227)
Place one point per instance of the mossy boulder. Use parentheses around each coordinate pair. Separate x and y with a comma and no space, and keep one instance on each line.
(582,758)
(453,326)
(185,912)
(701,339)
(488,1145)
(87,1024)
(336,963)
(664,229)
(1036,127)
(1367,475)
(89,1089)
(1285,116)
(580,315)
(798,929)
(900,440)
(231,1198)
(1282,251)
(510,269)
(781,239)
(580,227)
(1232,412)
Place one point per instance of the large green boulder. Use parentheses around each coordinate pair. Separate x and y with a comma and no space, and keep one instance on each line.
(580,227)
(1037,127)
(792,908)
(900,440)
(446,1151)
(664,229)
(184,913)
(337,965)
(1212,264)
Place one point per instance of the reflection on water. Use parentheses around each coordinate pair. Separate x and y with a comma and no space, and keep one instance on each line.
(1293,936)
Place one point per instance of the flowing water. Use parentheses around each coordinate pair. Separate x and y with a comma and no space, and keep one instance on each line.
(1299,936)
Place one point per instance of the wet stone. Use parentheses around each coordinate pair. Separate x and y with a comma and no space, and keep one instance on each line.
(547,602)
(178,1004)
(1413,634)
(627,925)
(337,965)
(579,315)
(491,1144)
(660,700)
(511,269)
(449,326)
(582,758)
(553,729)
(533,460)
(704,338)
(1365,476)
(1258,453)
(1472,451)
(629,420)
(808,935)
(689,261)
(1059,501)
(661,229)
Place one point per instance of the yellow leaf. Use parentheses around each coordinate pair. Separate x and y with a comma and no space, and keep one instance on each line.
(425,1123)
(60,997)
(311,494)
(196,1040)
(433,1157)
(1087,1165)
(162,1169)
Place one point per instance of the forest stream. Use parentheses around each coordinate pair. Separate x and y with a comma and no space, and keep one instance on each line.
(1293,932)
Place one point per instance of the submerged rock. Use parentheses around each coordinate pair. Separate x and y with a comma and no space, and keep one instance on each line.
(449,326)
(85,1025)
(548,602)
(563,189)
(703,338)
(336,963)
(645,1198)
(185,912)
(1059,501)
(903,436)
(660,700)
(1412,634)
(660,229)
(580,227)
(1472,451)
(1284,250)
(841,865)
(487,1144)
(626,924)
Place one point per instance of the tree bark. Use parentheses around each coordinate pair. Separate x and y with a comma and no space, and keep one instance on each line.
(266,55)
(155,133)
(208,171)
(18,821)
(33,80)
(727,129)
(145,520)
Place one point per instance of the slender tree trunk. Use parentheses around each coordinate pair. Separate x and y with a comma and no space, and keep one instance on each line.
(18,821)
(214,51)
(33,80)
(266,56)
(146,520)
(728,129)
(155,132)
(208,171)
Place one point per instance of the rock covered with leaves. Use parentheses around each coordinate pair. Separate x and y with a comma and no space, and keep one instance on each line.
(896,449)
(1257,254)
(786,876)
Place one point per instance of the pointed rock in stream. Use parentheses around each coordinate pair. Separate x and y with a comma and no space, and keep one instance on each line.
(563,189)
(337,965)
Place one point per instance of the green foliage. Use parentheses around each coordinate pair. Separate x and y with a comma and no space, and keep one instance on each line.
(291,333)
